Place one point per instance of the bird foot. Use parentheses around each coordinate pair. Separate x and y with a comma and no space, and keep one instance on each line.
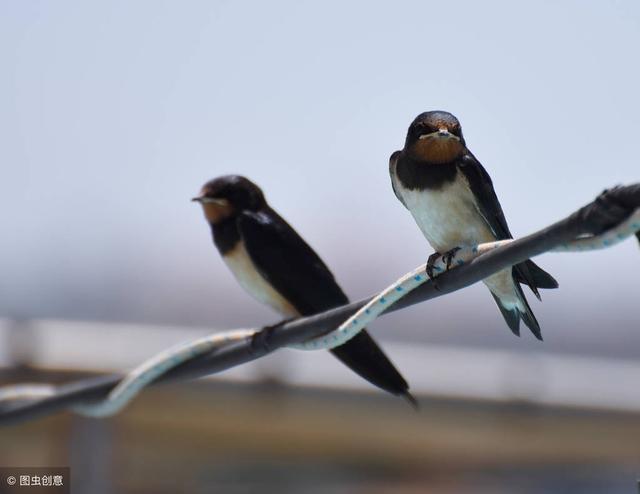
(447,260)
(261,340)
(449,256)
(431,264)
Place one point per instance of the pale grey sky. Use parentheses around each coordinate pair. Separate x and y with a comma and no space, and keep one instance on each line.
(114,113)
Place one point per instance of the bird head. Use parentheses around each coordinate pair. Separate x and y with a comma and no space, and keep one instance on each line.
(435,137)
(229,195)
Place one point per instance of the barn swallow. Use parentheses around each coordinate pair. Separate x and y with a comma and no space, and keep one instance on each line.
(451,198)
(278,268)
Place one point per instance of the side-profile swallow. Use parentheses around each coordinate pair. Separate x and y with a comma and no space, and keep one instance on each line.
(451,198)
(278,268)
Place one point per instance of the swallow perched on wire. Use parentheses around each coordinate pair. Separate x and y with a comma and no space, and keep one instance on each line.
(451,198)
(278,268)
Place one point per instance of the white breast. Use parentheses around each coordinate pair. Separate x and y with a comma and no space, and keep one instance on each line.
(252,281)
(447,216)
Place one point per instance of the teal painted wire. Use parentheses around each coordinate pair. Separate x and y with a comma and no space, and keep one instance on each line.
(25,391)
(356,323)
(136,380)
(151,369)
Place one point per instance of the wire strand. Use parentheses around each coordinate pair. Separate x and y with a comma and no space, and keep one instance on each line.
(610,213)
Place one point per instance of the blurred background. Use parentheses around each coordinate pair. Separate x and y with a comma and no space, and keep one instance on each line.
(115,113)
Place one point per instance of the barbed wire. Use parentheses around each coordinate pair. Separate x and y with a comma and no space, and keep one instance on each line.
(613,216)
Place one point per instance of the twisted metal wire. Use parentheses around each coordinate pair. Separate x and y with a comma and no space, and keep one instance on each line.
(611,218)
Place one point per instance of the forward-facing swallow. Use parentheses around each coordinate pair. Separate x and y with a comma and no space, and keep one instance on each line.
(278,268)
(451,198)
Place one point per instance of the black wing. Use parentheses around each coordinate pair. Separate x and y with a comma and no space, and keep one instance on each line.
(485,196)
(489,208)
(393,163)
(287,262)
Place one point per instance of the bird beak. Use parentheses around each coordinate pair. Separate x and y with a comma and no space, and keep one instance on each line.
(210,200)
(441,133)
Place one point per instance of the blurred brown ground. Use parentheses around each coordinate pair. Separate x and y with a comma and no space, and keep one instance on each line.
(264,437)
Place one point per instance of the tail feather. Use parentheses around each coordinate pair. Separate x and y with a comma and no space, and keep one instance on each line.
(527,315)
(363,355)
(512,316)
(534,276)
